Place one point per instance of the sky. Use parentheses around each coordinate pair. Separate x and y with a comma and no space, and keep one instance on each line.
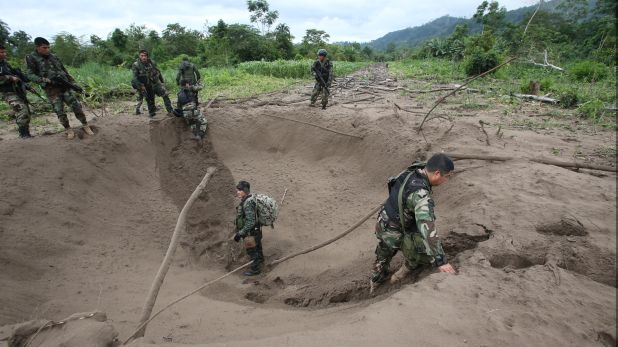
(343,20)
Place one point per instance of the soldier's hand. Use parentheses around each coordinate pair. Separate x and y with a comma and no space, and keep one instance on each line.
(45,80)
(237,237)
(15,79)
(447,268)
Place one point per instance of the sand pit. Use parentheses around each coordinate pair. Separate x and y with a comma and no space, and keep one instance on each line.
(84,225)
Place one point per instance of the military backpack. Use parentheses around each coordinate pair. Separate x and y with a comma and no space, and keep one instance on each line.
(266,208)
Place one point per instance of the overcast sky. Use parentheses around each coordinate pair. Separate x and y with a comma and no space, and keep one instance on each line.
(344,20)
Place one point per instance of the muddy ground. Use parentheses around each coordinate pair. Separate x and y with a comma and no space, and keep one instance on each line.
(85,223)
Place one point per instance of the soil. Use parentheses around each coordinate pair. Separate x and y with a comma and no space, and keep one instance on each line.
(84,224)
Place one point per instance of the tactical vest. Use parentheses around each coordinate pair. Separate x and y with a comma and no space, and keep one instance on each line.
(323,68)
(185,97)
(147,74)
(46,67)
(187,72)
(415,182)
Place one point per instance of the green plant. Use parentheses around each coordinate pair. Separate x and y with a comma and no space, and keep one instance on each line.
(478,62)
(588,71)
(593,109)
(568,99)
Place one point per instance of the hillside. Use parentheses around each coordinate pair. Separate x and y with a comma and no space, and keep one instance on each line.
(444,26)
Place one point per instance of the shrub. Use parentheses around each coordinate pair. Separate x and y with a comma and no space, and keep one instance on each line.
(588,71)
(593,109)
(568,99)
(478,62)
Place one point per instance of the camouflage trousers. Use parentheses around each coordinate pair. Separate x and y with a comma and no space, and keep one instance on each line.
(22,116)
(196,120)
(60,96)
(157,90)
(318,90)
(255,253)
(390,241)
(139,99)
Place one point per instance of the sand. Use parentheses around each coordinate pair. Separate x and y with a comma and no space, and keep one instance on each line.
(84,225)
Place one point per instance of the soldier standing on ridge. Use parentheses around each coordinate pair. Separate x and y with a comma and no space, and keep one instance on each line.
(148,78)
(188,72)
(407,221)
(322,70)
(13,94)
(46,69)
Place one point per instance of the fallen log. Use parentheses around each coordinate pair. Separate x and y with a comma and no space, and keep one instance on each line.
(554,162)
(537,98)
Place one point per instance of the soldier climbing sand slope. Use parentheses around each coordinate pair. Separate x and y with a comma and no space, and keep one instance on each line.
(46,69)
(13,92)
(407,221)
(322,70)
(187,107)
(148,79)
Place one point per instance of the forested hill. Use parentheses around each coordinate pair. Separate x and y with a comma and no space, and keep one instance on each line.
(444,26)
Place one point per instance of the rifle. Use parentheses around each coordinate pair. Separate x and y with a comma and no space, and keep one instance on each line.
(321,80)
(64,82)
(24,86)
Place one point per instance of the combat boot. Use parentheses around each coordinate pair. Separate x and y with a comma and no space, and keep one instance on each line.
(88,130)
(70,134)
(24,133)
(400,274)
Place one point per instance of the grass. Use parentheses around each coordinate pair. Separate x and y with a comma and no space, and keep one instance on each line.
(593,98)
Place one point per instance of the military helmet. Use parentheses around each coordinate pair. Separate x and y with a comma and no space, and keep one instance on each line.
(244,186)
(322,52)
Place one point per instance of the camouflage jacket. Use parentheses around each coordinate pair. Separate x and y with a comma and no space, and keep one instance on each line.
(189,72)
(246,213)
(187,98)
(145,74)
(39,67)
(6,84)
(325,69)
(418,209)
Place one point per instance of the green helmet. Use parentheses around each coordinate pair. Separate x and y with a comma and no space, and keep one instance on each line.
(322,52)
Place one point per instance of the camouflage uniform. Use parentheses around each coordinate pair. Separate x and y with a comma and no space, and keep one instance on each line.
(324,69)
(9,94)
(418,240)
(139,98)
(40,67)
(187,106)
(147,76)
(188,71)
(247,225)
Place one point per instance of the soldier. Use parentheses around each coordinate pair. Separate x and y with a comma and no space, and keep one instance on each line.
(148,78)
(248,227)
(322,70)
(12,93)
(407,221)
(47,70)
(188,71)
(187,108)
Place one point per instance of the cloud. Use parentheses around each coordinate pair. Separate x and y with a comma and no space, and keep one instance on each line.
(344,20)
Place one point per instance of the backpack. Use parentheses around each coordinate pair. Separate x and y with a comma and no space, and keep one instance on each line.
(266,208)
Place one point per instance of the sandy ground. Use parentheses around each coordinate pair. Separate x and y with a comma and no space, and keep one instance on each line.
(84,225)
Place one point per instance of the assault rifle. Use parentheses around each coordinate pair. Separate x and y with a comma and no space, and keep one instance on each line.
(321,80)
(64,82)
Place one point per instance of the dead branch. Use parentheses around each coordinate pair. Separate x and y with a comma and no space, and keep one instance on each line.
(537,98)
(486,134)
(327,242)
(546,63)
(457,156)
(314,125)
(440,100)
(181,224)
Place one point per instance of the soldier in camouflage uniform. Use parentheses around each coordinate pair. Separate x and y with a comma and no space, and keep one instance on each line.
(322,70)
(187,71)
(410,205)
(148,79)
(248,227)
(11,94)
(187,107)
(43,67)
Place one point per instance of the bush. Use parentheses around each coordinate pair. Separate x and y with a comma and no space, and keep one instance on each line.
(478,62)
(588,71)
(568,99)
(593,109)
